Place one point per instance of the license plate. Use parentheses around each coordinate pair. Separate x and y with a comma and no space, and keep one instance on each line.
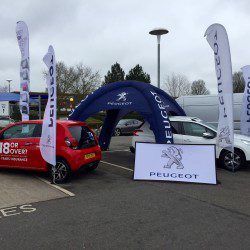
(89,156)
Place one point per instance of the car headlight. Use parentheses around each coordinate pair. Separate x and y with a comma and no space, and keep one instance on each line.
(246,142)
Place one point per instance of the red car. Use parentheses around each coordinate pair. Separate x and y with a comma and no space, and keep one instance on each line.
(77,147)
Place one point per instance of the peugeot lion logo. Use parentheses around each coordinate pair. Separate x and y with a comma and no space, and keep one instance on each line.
(122,97)
(49,139)
(174,155)
(225,134)
(19,35)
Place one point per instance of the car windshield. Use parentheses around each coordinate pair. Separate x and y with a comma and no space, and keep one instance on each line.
(121,122)
(208,125)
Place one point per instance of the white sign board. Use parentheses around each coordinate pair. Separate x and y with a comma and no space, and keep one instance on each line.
(4,109)
(171,162)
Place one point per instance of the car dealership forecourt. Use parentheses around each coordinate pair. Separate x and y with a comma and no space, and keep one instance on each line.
(69,181)
(117,99)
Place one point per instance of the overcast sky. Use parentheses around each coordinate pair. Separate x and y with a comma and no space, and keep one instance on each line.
(99,33)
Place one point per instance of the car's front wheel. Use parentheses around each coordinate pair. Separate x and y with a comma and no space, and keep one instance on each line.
(232,162)
(61,173)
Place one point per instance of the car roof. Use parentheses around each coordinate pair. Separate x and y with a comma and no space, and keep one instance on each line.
(62,122)
(184,118)
(126,120)
(181,119)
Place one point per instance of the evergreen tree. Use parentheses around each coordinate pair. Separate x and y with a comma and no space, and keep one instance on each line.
(137,74)
(115,74)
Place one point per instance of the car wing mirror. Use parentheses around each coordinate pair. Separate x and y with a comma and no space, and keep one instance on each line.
(208,135)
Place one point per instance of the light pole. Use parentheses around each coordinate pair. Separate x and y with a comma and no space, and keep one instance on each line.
(158,32)
(9,81)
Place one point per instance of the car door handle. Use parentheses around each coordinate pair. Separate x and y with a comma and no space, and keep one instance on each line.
(28,143)
(187,140)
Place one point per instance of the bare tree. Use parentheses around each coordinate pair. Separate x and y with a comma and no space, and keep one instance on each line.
(87,80)
(65,78)
(199,88)
(4,88)
(177,85)
(74,81)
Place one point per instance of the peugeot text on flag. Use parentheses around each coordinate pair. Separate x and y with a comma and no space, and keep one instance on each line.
(217,38)
(245,111)
(48,138)
(22,34)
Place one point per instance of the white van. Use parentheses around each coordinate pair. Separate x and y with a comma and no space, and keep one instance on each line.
(206,107)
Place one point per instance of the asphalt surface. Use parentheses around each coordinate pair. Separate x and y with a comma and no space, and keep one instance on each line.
(19,187)
(111,211)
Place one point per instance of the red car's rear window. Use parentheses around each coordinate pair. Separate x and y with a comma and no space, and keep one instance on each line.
(83,135)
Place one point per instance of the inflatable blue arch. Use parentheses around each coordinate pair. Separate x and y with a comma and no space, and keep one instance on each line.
(120,98)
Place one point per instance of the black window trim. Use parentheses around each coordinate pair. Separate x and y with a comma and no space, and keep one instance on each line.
(35,130)
(179,127)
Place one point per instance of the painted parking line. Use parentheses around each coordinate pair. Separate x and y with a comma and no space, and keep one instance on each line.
(118,166)
(55,186)
(111,151)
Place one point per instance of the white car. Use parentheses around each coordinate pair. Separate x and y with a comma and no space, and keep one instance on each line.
(189,130)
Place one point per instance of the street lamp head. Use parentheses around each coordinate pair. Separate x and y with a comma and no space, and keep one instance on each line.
(158,31)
